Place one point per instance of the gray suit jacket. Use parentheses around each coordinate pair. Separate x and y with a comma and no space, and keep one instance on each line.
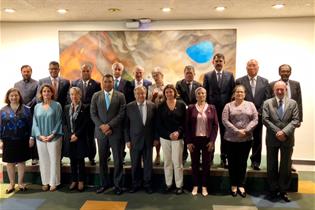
(114,116)
(274,124)
(262,91)
(141,136)
(296,94)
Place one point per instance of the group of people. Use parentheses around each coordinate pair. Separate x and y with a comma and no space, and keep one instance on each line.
(63,119)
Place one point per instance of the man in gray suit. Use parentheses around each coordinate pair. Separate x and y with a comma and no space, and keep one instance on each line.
(139,136)
(108,112)
(60,84)
(257,91)
(281,117)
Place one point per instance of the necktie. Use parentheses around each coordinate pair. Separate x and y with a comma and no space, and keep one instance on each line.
(116,84)
(107,100)
(84,89)
(141,112)
(253,85)
(189,90)
(55,85)
(280,109)
(219,78)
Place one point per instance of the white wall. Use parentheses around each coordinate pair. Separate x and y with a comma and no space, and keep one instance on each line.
(271,41)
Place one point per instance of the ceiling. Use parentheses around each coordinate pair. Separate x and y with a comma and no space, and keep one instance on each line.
(98,10)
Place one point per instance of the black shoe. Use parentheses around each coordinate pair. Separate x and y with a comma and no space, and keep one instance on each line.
(118,191)
(234,194)
(92,162)
(284,196)
(167,189)
(100,190)
(293,169)
(242,194)
(179,191)
(133,189)
(272,196)
(255,166)
(148,190)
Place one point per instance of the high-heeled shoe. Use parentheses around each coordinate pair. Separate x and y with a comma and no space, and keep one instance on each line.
(234,191)
(22,188)
(45,187)
(53,188)
(157,161)
(241,193)
(8,191)
(194,191)
(81,186)
(72,186)
(204,191)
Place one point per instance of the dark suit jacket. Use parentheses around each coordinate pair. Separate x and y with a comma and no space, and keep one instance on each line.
(219,96)
(262,91)
(76,149)
(92,87)
(141,136)
(146,83)
(125,87)
(114,116)
(296,94)
(183,91)
(274,124)
(191,123)
(63,88)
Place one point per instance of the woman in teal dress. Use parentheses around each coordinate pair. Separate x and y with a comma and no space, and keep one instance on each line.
(15,131)
(47,129)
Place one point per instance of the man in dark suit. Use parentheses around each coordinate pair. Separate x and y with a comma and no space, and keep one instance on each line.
(120,84)
(139,81)
(60,84)
(88,87)
(28,89)
(186,91)
(257,91)
(107,112)
(139,136)
(281,117)
(219,84)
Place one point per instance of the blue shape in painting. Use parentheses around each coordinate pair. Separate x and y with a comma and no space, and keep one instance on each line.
(201,52)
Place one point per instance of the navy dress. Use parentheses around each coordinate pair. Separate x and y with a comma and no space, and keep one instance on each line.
(15,131)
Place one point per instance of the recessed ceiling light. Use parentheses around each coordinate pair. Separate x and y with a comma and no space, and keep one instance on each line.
(62,11)
(9,10)
(278,6)
(220,9)
(166,9)
(113,10)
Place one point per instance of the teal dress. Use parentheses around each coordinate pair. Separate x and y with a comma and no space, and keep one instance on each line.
(47,122)
(15,131)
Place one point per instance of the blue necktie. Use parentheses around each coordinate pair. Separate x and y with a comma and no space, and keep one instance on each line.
(280,109)
(107,100)
(116,84)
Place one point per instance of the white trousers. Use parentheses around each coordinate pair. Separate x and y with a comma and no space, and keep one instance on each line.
(173,161)
(49,154)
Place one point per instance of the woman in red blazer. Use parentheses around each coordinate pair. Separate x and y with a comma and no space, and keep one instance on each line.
(201,132)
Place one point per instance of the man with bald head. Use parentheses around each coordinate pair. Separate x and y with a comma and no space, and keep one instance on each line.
(280,116)
(120,84)
(88,87)
(257,91)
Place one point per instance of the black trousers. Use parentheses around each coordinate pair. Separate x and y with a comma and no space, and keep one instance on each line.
(257,142)
(237,156)
(77,169)
(91,140)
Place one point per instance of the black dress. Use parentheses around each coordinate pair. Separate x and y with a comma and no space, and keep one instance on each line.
(15,131)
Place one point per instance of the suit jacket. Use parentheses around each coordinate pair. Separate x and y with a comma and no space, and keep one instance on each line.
(63,88)
(274,124)
(28,91)
(76,149)
(125,87)
(114,116)
(191,123)
(146,83)
(140,135)
(216,95)
(296,94)
(183,91)
(262,91)
(92,87)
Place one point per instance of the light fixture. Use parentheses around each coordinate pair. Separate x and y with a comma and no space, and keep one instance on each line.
(278,6)
(220,8)
(166,9)
(62,11)
(112,10)
(9,10)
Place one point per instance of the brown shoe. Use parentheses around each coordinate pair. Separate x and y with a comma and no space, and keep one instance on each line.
(72,185)
(81,186)
(45,187)
(53,188)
